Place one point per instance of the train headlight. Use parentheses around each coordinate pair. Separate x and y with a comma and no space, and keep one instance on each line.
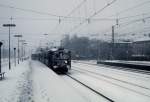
(55,67)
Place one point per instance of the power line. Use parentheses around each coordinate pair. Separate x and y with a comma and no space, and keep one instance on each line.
(126,17)
(72,11)
(133,21)
(39,12)
(77,7)
(75,27)
(131,8)
(28,10)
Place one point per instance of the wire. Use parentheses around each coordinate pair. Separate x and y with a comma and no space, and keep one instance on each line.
(126,17)
(75,27)
(72,11)
(131,8)
(39,12)
(133,21)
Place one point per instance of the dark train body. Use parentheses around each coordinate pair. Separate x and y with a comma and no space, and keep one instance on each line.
(59,60)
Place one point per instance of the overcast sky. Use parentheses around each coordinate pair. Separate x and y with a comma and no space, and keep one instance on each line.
(33,19)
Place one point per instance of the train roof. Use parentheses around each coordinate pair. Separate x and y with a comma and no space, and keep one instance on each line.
(58,49)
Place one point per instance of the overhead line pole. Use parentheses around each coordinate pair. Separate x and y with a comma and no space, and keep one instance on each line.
(9,26)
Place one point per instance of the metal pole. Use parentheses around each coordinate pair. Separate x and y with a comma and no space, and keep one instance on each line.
(9,25)
(113,40)
(9,50)
(15,55)
(18,50)
(0,55)
(113,35)
(22,52)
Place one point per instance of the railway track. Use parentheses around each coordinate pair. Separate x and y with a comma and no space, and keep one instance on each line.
(90,88)
(120,68)
(108,77)
(84,70)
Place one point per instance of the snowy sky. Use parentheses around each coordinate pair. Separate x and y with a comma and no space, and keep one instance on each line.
(33,19)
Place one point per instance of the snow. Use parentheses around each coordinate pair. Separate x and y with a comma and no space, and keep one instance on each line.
(106,80)
(11,86)
(112,91)
(87,94)
(32,81)
(49,87)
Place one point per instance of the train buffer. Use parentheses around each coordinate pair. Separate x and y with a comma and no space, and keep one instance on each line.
(2,75)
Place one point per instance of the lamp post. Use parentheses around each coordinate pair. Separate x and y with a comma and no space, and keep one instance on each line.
(24,51)
(18,36)
(9,26)
(22,41)
(45,38)
(0,55)
(15,55)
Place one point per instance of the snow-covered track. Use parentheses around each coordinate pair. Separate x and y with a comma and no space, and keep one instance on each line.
(109,77)
(92,74)
(100,94)
(120,68)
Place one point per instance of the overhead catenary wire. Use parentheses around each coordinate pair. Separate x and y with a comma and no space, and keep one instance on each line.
(73,18)
(39,12)
(131,8)
(133,21)
(88,18)
(132,16)
(71,12)
(85,19)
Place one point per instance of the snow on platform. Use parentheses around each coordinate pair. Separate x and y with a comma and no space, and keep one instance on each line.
(15,79)
(32,81)
(49,87)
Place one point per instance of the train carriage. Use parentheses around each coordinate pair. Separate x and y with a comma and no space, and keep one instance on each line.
(58,60)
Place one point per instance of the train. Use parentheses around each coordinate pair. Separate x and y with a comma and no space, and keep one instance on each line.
(58,59)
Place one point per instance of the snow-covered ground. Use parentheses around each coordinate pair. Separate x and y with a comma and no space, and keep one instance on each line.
(15,81)
(49,87)
(87,94)
(121,86)
(31,81)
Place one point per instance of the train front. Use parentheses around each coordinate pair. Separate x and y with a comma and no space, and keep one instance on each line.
(62,61)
